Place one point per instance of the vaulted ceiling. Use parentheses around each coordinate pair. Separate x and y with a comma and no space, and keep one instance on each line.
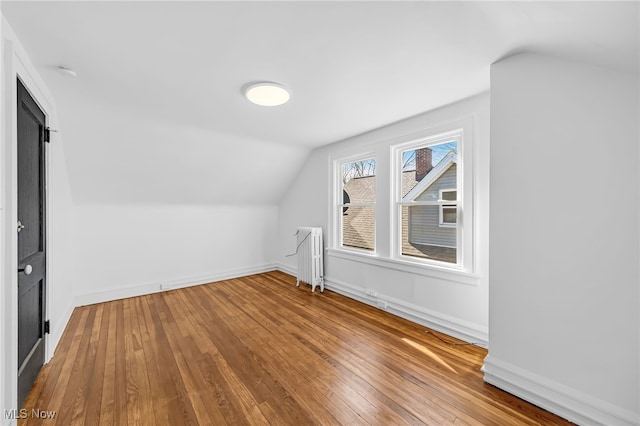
(156,113)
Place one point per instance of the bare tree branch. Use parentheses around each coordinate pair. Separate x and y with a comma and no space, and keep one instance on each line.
(357,169)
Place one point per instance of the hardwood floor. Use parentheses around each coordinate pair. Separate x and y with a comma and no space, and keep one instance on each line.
(258,350)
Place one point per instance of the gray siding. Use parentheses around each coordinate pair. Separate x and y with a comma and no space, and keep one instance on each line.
(446,181)
(424,227)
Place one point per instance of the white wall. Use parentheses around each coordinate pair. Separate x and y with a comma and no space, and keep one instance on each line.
(116,244)
(126,250)
(60,220)
(120,249)
(162,203)
(62,249)
(122,155)
(454,303)
(564,297)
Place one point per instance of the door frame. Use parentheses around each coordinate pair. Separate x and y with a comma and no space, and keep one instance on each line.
(29,113)
(16,64)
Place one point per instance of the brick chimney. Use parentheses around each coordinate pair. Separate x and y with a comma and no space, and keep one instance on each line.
(423,163)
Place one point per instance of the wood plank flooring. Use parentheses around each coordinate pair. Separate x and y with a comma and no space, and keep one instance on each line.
(257,350)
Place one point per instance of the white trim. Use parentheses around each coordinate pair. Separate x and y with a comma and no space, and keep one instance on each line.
(461,131)
(442,223)
(16,63)
(447,204)
(357,205)
(562,400)
(427,203)
(336,201)
(282,267)
(442,191)
(451,326)
(141,289)
(465,239)
(57,329)
(446,324)
(358,250)
(446,273)
(8,358)
(403,256)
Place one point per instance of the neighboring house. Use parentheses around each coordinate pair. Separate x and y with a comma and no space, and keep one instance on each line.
(428,231)
(435,225)
(358,226)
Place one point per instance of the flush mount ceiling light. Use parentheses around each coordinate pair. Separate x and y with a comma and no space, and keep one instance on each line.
(267,94)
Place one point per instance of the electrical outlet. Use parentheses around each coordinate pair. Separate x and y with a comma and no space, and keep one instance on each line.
(382,304)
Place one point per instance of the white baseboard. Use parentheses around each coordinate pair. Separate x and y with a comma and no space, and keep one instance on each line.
(56,332)
(138,290)
(158,286)
(443,323)
(566,402)
(287,269)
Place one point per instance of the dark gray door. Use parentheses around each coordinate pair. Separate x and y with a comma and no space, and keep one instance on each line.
(31,241)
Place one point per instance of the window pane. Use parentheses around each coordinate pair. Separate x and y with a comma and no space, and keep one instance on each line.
(426,165)
(358,228)
(430,173)
(449,214)
(449,195)
(423,237)
(358,209)
(359,182)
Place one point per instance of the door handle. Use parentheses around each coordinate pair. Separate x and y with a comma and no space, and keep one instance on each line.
(20,226)
(27,270)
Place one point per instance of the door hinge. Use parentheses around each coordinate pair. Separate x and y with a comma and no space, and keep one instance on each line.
(47,134)
(47,327)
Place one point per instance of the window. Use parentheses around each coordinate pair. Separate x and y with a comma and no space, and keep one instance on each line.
(428,183)
(448,212)
(408,203)
(356,209)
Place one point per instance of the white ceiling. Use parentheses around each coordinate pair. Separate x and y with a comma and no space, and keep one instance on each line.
(156,113)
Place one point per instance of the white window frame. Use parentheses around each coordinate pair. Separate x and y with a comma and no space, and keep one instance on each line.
(337,205)
(461,132)
(387,214)
(446,204)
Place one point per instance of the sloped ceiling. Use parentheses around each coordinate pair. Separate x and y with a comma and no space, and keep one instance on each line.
(156,113)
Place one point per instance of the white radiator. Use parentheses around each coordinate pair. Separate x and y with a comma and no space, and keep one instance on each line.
(310,262)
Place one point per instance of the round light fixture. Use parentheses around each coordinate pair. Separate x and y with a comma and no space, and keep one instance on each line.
(267,94)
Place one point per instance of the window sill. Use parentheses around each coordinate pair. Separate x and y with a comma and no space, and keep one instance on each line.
(434,271)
